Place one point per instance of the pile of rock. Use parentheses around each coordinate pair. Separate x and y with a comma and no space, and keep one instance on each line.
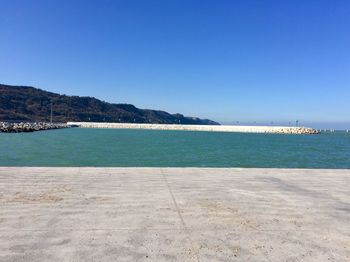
(298,130)
(8,127)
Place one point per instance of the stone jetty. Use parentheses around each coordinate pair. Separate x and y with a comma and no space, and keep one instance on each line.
(212,128)
(8,127)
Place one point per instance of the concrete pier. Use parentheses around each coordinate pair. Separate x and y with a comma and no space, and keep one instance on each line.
(174,214)
(210,128)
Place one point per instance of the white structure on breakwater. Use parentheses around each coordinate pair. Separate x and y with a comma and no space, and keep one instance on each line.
(213,128)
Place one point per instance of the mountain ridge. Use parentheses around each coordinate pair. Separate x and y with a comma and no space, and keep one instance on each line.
(27,103)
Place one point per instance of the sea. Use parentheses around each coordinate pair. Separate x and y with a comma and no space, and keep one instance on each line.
(163,148)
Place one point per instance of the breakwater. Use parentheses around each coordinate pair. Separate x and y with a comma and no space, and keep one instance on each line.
(8,127)
(212,128)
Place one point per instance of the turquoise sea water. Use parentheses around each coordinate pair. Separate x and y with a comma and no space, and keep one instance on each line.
(153,148)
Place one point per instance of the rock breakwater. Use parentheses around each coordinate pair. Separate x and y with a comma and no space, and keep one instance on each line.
(8,127)
(210,128)
(297,130)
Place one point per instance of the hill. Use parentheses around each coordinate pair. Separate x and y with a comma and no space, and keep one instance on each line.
(25,103)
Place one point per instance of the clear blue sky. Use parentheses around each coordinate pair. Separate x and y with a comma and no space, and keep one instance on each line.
(229,61)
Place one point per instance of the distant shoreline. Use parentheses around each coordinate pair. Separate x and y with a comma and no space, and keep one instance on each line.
(210,128)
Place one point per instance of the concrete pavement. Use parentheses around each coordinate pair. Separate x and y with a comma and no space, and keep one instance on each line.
(174,214)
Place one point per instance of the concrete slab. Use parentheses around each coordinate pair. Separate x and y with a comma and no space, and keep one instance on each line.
(174,214)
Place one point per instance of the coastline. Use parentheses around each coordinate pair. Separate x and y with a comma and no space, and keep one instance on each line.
(174,214)
(208,128)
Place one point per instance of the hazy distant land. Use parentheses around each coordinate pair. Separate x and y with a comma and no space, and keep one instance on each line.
(25,103)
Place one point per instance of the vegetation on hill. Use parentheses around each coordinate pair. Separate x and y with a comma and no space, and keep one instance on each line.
(25,103)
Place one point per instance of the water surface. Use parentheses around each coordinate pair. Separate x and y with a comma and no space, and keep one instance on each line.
(159,148)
